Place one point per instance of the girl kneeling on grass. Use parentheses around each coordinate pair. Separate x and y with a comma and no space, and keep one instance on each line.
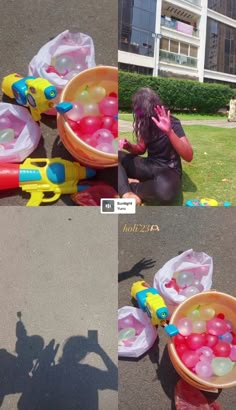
(158,176)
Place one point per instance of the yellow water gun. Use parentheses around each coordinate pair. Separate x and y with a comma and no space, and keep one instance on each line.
(32,92)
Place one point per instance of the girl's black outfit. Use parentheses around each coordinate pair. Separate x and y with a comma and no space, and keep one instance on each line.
(159,173)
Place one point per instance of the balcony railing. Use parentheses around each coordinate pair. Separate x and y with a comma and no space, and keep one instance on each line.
(179,26)
(167,57)
(196,2)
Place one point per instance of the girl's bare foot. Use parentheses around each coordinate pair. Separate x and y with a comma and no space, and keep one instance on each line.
(133,180)
(132,195)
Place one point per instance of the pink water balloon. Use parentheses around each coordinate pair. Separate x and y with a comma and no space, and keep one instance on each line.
(107,122)
(105,147)
(129,342)
(190,358)
(109,106)
(103,135)
(205,353)
(232,355)
(203,369)
(217,326)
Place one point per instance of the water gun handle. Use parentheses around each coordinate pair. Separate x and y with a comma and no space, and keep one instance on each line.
(36,199)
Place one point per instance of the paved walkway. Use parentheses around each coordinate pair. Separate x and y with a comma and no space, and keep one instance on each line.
(127,126)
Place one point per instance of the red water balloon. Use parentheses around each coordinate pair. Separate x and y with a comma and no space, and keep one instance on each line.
(222,349)
(196,340)
(211,340)
(89,124)
(114,129)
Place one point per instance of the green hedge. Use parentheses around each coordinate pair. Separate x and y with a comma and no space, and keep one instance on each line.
(176,94)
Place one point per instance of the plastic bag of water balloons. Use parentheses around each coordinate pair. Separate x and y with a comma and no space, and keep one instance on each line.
(183,276)
(19,133)
(136,334)
(93,192)
(62,58)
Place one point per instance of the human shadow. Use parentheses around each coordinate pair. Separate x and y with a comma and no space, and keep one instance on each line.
(15,369)
(136,270)
(47,384)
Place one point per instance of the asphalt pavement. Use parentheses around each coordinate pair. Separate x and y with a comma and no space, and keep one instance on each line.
(149,381)
(26,26)
(54,272)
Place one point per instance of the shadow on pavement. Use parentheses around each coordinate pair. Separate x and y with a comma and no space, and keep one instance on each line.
(47,385)
(136,270)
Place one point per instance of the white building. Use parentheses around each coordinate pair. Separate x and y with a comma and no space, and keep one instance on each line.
(179,38)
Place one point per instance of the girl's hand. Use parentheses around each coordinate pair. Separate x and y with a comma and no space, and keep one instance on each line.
(163,122)
(123,144)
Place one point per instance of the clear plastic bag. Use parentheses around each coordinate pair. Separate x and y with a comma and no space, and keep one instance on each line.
(26,133)
(147,332)
(79,46)
(186,261)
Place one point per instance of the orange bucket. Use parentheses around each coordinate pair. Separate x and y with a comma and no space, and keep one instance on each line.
(107,77)
(221,302)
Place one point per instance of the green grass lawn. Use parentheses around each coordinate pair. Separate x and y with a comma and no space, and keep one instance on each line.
(212,173)
(181,116)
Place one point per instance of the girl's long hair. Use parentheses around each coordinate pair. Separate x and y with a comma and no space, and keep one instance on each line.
(143,103)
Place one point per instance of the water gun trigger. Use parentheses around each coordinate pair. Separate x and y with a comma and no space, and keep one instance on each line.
(53,198)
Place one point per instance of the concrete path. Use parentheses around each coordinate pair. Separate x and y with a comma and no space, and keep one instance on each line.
(127,126)
(59,269)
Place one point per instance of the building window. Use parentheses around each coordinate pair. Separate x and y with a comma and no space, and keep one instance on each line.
(136,25)
(135,69)
(174,46)
(226,7)
(220,47)
(193,51)
(164,44)
(184,49)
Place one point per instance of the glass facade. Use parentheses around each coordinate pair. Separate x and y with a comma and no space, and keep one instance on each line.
(220,47)
(137,19)
(226,7)
(135,69)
